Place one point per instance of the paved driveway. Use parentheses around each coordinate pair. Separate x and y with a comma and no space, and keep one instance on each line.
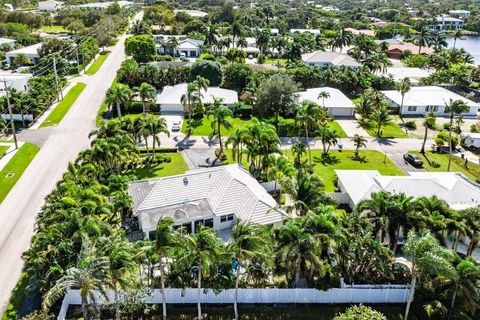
(406,167)
(351,127)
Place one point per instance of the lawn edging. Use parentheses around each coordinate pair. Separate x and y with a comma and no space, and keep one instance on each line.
(59,112)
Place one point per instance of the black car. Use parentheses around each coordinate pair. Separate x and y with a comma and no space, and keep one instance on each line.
(413,159)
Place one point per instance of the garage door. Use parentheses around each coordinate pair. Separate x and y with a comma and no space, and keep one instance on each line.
(341,112)
(171,108)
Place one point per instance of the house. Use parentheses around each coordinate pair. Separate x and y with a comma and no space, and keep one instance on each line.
(5,42)
(397,49)
(445,22)
(315,32)
(186,48)
(31,52)
(460,13)
(453,187)
(324,59)
(104,5)
(170,100)
(49,5)
(192,13)
(400,73)
(471,140)
(422,100)
(17,81)
(214,197)
(366,32)
(337,103)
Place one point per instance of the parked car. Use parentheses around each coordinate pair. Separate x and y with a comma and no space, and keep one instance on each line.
(413,159)
(176,126)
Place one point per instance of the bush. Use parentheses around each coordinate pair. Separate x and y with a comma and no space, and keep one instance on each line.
(446,126)
(411,125)
(475,128)
(159,57)
(261,59)
(242,109)
(236,76)
(442,139)
(207,69)
(434,164)
(137,107)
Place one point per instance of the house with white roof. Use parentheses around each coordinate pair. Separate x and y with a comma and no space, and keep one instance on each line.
(214,197)
(104,5)
(192,13)
(50,5)
(445,22)
(7,42)
(315,32)
(187,48)
(17,81)
(422,100)
(452,187)
(170,100)
(337,103)
(323,59)
(400,73)
(460,13)
(31,52)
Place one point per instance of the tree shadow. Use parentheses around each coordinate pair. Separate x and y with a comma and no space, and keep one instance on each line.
(326,159)
(359,158)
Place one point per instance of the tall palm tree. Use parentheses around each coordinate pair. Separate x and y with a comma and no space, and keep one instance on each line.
(201,84)
(220,113)
(423,39)
(188,99)
(235,31)
(173,43)
(152,127)
(118,95)
(403,86)
(248,242)
(323,95)
(263,40)
(457,35)
(237,139)
(467,274)
(342,38)
(165,240)
(293,51)
(279,43)
(428,123)
(298,149)
(472,221)
(359,142)
(454,109)
(202,249)
(306,120)
(147,93)
(428,257)
(89,276)
(382,117)
(327,136)
(211,36)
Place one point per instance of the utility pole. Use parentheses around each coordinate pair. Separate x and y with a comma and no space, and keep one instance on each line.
(56,79)
(12,124)
(78,60)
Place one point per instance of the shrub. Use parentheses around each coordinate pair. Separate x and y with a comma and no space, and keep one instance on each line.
(475,128)
(261,59)
(207,69)
(411,125)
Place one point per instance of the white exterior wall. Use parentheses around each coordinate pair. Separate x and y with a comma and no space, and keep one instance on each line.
(421,110)
(472,142)
(341,112)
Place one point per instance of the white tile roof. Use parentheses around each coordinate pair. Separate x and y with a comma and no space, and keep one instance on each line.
(336,100)
(193,13)
(227,189)
(30,50)
(453,187)
(400,73)
(173,95)
(427,96)
(335,58)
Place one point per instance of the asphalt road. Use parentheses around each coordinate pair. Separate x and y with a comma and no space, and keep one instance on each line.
(59,145)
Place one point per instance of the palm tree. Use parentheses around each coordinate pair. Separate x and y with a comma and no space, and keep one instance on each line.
(188,99)
(89,276)
(118,95)
(428,123)
(472,221)
(279,43)
(211,36)
(455,109)
(381,116)
(220,113)
(359,142)
(263,39)
(428,257)
(327,136)
(165,240)
(423,39)
(457,35)
(237,139)
(202,249)
(236,31)
(298,149)
(293,51)
(248,242)
(467,274)
(342,38)
(152,127)
(147,93)
(403,86)
(323,95)
(172,43)
(306,119)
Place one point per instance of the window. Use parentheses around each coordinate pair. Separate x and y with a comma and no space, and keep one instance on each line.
(431,108)
(412,108)
(228,217)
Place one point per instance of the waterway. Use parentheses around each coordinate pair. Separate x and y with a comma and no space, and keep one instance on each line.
(470,43)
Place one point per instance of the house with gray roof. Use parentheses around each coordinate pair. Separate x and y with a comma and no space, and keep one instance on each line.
(214,197)
(324,59)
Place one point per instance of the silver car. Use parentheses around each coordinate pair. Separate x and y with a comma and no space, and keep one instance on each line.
(176,125)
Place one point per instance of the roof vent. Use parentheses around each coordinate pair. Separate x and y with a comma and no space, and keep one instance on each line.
(185,181)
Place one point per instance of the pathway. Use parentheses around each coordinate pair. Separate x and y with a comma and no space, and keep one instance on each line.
(351,127)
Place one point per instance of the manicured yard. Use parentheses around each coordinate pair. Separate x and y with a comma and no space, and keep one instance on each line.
(392,130)
(17,166)
(274,61)
(54,29)
(202,126)
(96,64)
(369,160)
(176,166)
(3,149)
(62,108)
(438,162)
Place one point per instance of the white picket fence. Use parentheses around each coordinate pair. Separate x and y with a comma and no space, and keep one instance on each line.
(353,294)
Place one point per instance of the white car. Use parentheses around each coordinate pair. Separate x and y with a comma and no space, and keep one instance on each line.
(176,125)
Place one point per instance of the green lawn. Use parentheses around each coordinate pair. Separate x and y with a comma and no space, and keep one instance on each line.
(3,149)
(17,166)
(392,130)
(202,126)
(62,108)
(176,166)
(274,61)
(438,162)
(54,29)
(370,160)
(96,64)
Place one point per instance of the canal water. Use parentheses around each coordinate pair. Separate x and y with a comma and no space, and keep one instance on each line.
(470,43)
